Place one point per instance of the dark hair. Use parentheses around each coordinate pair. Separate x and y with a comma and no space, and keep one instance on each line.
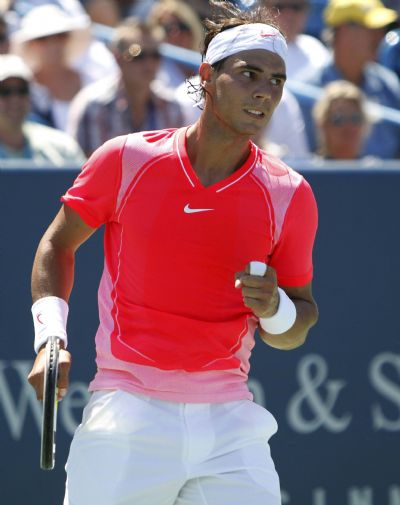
(225,15)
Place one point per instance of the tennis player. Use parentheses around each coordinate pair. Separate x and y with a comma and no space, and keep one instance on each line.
(192,218)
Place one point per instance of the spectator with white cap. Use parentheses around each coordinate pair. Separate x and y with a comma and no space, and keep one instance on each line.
(19,137)
(52,42)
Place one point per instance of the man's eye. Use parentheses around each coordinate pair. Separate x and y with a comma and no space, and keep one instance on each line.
(248,73)
(276,81)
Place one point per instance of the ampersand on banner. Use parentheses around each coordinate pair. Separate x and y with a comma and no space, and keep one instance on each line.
(312,372)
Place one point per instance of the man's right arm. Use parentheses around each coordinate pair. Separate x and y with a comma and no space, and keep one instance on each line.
(53,275)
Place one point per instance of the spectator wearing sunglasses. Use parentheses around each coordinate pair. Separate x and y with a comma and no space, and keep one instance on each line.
(183,29)
(341,121)
(129,102)
(306,54)
(19,137)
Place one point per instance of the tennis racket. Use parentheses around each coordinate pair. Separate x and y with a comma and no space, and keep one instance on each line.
(49,418)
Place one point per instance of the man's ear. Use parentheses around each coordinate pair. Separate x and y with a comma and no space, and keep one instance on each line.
(205,72)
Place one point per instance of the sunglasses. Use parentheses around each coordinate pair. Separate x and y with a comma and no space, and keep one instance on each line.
(177,26)
(342,119)
(144,55)
(7,91)
(292,7)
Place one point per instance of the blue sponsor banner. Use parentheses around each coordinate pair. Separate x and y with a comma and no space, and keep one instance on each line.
(336,399)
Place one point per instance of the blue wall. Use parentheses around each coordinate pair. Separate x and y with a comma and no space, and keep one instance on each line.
(337,399)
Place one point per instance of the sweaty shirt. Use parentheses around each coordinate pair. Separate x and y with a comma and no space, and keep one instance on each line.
(172,323)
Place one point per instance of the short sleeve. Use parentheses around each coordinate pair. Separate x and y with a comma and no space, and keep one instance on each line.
(94,192)
(292,255)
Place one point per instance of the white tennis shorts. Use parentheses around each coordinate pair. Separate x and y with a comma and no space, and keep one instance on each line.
(136,450)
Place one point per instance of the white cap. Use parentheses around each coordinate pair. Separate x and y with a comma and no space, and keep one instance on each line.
(46,20)
(13,66)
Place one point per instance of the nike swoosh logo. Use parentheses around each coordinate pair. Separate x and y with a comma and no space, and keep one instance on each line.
(188,210)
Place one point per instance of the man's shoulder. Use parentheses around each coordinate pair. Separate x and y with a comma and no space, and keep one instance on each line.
(43,133)
(154,143)
(52,143)
(309,43)
(277,171)
(376,71)
(99,93)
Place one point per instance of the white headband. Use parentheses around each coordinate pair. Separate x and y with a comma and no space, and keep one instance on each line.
(243,38)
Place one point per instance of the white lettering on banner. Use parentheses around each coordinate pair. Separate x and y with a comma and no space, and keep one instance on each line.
(319,496)
(322,409)
(358,496)
(309,409)
(394,495)
(15,413)
(353,496)
(386,388)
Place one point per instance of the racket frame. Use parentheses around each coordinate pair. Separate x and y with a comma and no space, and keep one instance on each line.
(49,416)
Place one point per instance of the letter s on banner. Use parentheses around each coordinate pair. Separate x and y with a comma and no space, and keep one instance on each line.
(387,388)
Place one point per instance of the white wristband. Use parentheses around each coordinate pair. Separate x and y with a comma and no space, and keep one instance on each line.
(50,319)
(284,318)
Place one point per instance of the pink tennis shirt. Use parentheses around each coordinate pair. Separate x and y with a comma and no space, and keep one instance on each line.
(172,323)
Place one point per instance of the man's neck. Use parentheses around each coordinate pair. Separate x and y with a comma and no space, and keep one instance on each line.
(138,99)
(215,155)
(12,137)
(351,70)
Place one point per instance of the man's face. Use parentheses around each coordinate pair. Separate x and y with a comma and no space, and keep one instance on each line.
(50,50)
(246,90)
(292,16)
(14,101)
(140,61)
(358,42)
(344,129)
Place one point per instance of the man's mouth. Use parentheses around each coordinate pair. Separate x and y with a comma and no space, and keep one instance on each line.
(255,113)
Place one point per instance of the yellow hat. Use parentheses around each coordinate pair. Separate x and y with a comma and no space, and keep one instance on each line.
(368,13)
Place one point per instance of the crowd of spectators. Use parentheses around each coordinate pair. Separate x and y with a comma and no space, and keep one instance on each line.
(89,70)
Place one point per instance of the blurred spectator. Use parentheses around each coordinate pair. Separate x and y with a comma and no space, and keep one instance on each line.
(357,27)
(105,12)
(4,39)
(113,12)
(389,51)
(20,138)
(55,44)
(202,7)
(341,120)
(286,129)
(306,54)
(183,28)
(128,103)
